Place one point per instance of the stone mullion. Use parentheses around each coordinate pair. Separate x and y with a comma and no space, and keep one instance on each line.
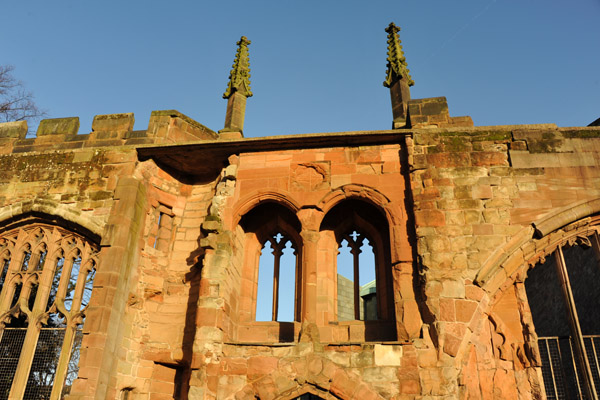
(355,251)
(297,285)
(63,362)
(33,330)
(6,291)
(19,383)
(356,260)
(67,345)
(63,284)
(34,260)
(84,270)
(582,360)
(277,252)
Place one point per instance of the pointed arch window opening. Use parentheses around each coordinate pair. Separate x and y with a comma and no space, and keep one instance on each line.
(564,302)
(43,297)
(278,280)
(357,281)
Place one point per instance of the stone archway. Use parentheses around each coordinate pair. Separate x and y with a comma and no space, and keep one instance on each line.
(311,374)
(500,352)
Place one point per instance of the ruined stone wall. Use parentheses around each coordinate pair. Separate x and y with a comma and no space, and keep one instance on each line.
(479,196)
(462,213)
(142,309)
(242,358)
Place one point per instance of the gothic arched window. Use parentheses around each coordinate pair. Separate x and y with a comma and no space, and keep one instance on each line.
(356,278)
(272,264)
(362,267)
(46,279)
(278,271)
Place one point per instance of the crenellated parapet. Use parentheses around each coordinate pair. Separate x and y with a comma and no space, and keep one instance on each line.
(167,126)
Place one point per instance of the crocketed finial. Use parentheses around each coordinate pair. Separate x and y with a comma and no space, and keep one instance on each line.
(239,77)
(396,62)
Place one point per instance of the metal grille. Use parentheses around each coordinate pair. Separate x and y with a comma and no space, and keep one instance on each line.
(592,350)
(73,367)
(560,372)
(551,368)
(10,349)
(43,369)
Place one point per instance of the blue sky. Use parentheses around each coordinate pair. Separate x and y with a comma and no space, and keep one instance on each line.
(317,66)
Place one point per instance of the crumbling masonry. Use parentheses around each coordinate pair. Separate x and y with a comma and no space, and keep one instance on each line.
(130,260)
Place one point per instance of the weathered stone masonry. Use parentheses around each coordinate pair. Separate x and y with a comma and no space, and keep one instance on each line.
(175,218)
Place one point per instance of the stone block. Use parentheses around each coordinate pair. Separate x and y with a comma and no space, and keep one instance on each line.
(387,355)
(117,123)
(58,126)
(16,129)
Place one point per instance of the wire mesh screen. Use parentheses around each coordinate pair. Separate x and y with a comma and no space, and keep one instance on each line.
(43,368)
(592,349)
(10,350)
(560,372)
(73,367)
(551,368)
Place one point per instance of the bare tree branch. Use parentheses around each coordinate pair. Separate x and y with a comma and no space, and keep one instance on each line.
(16,103)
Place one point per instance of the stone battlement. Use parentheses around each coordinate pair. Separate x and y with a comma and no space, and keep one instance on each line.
(166,126)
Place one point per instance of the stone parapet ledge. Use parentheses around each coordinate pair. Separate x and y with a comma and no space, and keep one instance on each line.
(10,132)
(168,126)
(112,126)
(171,126)
(433,113)
(13,130)
(58,126)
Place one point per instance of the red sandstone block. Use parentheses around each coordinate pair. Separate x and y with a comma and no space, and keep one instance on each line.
(451,345)
(206,316)
(447,310)
(234,366)
(364,392)
(336,156)
(426,205)
(144,372)
(410,386)
(473,292)
(161,396)
(163,373)
(342,169)
(482,192)
(390,167)
(484,158)
(428,193)
(447,160)
(483,229)
(465,310)
(304,156)
(162,387)
(430,218)
(343,385)
(457,329)
(260,366)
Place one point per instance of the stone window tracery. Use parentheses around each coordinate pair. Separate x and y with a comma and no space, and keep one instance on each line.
(277,269)
(272,266)
(46,282)
(364,229)
(356,278)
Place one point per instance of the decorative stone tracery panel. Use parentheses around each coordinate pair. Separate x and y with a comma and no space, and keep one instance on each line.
(46,278)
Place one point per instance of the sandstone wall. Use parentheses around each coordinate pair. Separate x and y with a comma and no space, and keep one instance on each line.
(481,196)
(461,214)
